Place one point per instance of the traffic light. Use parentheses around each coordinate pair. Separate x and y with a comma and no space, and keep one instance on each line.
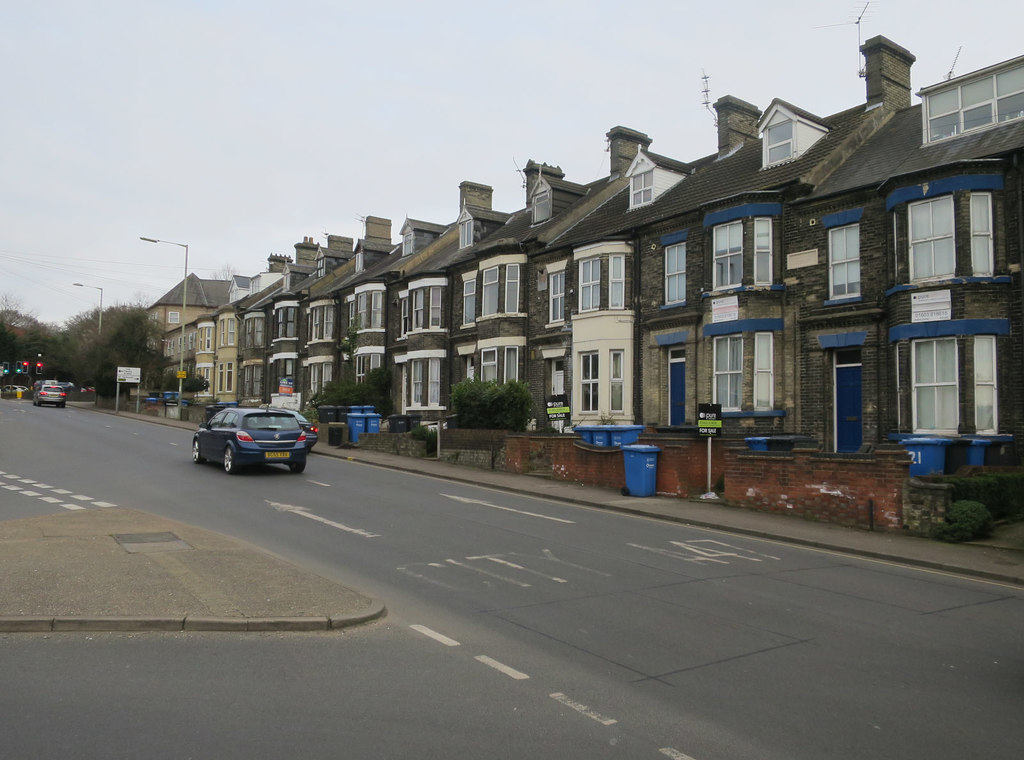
(39,368)
(7,368)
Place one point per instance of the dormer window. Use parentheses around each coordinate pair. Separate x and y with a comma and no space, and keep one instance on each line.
(787,133)
(650,177)
(408,242)
(642,189)
(360,261)
(541,206)
(321,265)
(465,229)
(779,141)
(978,102)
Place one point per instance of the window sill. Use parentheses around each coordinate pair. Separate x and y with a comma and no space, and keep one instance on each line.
(673,305)
(761,413)
(844,300)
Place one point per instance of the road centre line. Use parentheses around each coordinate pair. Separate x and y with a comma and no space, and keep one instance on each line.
(467,500)
(501,667)
(439,637)
(582,709)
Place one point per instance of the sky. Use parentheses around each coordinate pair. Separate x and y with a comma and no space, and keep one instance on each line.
(240,127)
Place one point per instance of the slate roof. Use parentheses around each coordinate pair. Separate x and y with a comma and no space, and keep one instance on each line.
(202,293)
(715,180)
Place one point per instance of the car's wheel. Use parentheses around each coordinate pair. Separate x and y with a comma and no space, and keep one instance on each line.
(229,461)
(63,405)
(297,467)
(196,456)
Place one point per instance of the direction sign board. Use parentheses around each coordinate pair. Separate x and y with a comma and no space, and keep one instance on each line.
(709,420)
(129,375)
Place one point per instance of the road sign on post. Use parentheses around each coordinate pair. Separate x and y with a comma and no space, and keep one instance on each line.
(129,375)
(709,425)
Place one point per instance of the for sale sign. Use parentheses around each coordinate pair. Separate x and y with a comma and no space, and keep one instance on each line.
(709,420)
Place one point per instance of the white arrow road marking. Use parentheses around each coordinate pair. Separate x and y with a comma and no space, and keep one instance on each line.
(468,500)
(303,512)
(674,754)
(707,549)
(582,709)
(501,668)
(677,555)
(489,574)
(514,566)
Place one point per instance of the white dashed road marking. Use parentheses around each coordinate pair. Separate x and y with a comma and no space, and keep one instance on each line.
(501,668)
(582,709)
(439,637)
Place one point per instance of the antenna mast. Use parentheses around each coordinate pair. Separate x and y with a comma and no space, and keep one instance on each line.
(955,59)
(706,95)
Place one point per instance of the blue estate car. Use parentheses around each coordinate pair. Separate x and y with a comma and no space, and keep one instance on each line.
(237,437)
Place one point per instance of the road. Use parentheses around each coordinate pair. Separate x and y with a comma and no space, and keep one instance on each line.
(517,628)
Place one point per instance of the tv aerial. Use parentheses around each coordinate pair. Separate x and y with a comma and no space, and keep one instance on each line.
(856,22)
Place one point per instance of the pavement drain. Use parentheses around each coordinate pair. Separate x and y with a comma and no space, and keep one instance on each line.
(150,542)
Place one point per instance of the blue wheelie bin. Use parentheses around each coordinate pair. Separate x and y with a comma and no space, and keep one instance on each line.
(928,455)
(641,466)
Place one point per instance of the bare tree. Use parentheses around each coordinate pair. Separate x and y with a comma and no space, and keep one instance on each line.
(12,313)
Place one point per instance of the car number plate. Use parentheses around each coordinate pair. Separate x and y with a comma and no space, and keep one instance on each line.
(277,455)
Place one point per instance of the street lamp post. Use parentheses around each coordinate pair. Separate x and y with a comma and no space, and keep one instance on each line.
(184,306)
(99,330)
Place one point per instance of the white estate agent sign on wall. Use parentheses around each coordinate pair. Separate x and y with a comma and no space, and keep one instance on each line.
(931,306)
(129,374)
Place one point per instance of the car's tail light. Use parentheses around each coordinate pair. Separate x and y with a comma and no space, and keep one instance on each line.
(243,436)
(63,393)
(302,437)
(314,429)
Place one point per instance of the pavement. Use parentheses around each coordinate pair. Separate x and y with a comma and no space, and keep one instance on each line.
(116,569)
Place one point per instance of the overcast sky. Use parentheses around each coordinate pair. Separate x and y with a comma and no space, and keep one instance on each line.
(241,126)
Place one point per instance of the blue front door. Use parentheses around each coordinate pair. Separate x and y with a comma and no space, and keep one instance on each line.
(676,391)
(848,408)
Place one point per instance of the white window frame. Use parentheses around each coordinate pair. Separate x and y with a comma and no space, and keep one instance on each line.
(977,103)
(408,243)
(675,273)
(541,206)
(641,188)
(418,313)
(512,288)
(617,282)
(779,142)
(173,317)
(489,296)
(590,377)
(728,254)
(435,307)
(489,364)
(924,239)
(981,234)
(469,301)
(986,391)
(226,377)
(617,381)
(376,309)
(590,284)
(728,372)
(406,326)
(844,261)
(764,371)
(556,296)
(416,382)
(511,363)
(763,251)
(936,390)
(433,382)
(466,233)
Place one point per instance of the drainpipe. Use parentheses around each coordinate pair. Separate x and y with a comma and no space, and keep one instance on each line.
(637,334)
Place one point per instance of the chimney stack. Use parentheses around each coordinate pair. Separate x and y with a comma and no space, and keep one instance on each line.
(339,246)
(534,171)
(378,230)
(623,145)
(737,123)
(887,73)
(472,194)
(305,252)
(276,262)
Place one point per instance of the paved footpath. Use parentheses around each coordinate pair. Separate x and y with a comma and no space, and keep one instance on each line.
(119,569)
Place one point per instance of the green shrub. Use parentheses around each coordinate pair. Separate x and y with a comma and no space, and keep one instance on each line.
(1001,492)
(485,404)
(965,520)
(375,391)
(427,435)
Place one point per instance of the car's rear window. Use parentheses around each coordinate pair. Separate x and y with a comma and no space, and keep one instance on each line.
(270,422)
(52,388)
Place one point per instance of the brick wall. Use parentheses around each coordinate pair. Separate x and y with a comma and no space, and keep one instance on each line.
(840,488)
